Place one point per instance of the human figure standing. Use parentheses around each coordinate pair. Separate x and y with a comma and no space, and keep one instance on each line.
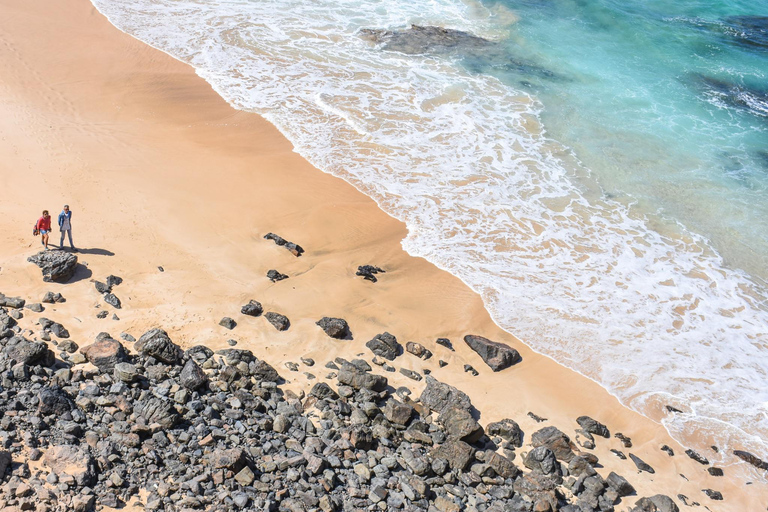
(65,225)
(43,226)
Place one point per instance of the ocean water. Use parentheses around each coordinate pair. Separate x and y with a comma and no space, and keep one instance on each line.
(598,171)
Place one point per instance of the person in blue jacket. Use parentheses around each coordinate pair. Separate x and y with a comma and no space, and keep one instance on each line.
(65,225)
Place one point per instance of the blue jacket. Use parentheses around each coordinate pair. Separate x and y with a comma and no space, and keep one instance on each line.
(62,215)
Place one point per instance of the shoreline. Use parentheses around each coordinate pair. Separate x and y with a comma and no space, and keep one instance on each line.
(209,265)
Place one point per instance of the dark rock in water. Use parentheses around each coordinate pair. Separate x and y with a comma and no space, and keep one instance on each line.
(422,40)
(410,374)
(555,440)
(105,354)
(11,302)
(715,471)
(438,396)
(673,409)
(114,280)
(29,353)
(497,356)
(156,343)
(593,426)
(751,459)
(626,441)
(56,266)
(101,287)
(74,461)
(52,298)
(53,400)
(227,322)
(385,345)
(458,453)
(715,495)
(112,300)
(296,250)
(445,342)
(280,322)
(253,308)
(620,484)
(156,410)
(192,376)
(747,30)
(459,423)
(667,449)
(275,276)
(751,100)
(641,465)
(657,503)
(698,458)
(368,271)
(508,430)
(334,327)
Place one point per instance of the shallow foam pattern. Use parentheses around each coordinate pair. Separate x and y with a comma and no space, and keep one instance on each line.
(462,160)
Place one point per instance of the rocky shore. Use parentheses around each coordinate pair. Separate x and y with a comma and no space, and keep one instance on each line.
(142,422)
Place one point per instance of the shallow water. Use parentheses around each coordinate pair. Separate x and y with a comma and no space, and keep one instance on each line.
(596,175)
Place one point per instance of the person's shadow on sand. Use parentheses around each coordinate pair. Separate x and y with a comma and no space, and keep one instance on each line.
(96,251)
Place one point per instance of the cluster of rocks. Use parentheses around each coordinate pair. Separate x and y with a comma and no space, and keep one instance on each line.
(417,40)
(368,272)
(105,289)
(198,430)
(294,249)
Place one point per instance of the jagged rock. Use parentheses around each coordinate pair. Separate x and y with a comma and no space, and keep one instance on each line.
(470,369)
(497,356)
(280,322)
(751,459)
(322,390)
(11,302)
(368,271)
(29,352)
(74,461)
(385,345)
(263,371)
(56,266)
(276,276)
(52,298)
(593,426)
(199,353)
(156,343)
(361,380)
(542,460)
(192,376)
(620,484)
(667,449)
(227,322)
(53,400)
(234,459)
(113,280)
(540,489)
(410,374)
(105,354)
(155,410)
(296,250)
(456,452)
(418,350)
(253,308)
(112,300)
(555,440)
(641,465)
(626,441)
(334,327)
(715,495)
(126,372)
(398,412)
(459,423)
(501,465)
(657,503)
(698,458)
(438,396)
(102,287)
(445,342)
(68,346)
(508,430)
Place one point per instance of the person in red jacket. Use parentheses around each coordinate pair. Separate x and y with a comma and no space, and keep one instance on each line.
(43,226)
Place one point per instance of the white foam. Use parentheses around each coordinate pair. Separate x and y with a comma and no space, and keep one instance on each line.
(464,162)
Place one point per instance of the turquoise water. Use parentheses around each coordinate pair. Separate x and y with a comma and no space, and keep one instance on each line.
(662,100)
(598,174)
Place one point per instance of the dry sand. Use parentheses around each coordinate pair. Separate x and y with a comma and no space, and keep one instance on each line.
(160,171)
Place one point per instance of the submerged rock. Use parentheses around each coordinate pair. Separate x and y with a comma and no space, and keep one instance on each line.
(422,40)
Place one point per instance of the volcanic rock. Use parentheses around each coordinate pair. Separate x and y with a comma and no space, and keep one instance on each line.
(105,354)
(751,459)
(497,356)
(227,322)
(508,430)
(385,345)
(418,350)
(56,265)
(456,452)
(641,465)
(555,440)
(593,426)
(74,461)
(458,422)
(438,396)
(192,376)
(280,322)
(275,276)
(334,327)
(295,249)
(156,343)
(53,400)
(368,271)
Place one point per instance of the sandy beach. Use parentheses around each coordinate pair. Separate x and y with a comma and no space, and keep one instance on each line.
(160,171)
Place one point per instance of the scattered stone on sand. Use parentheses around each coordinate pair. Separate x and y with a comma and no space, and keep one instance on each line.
(112,300)
(441,363)
(227,323)
(294,249)
(641,465)
(35,307)
(52,298)
(368,271)
(667,449)
(102,287)
(11,302)
(715,471)
(536,418)
(411,374)
(58,266)
(253,308)
(445,342)
(497,356)
(385,345)
(626,441)
(113,280)
(698,458)
(751,459)
(619,454)
(468,368)
(275,276)
(715,495)
(280,322)
(418,350)
(336,328)
(593,426)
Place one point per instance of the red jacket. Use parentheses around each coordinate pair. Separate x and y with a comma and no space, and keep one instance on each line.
(44,223)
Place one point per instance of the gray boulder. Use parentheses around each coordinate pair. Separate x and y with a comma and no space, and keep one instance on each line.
(438,396)
(156,343)
(552,438)
(74,461)
(385,345)
(280,322)
(29,352)
(593,426)
(192,376)
(458,453)
(334,327)
(253,308)
(53,400)
(105,354)
(362,380)
(619,484)
(497,356)
(459,423)
(56,266)
(508,430)
(156,410)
